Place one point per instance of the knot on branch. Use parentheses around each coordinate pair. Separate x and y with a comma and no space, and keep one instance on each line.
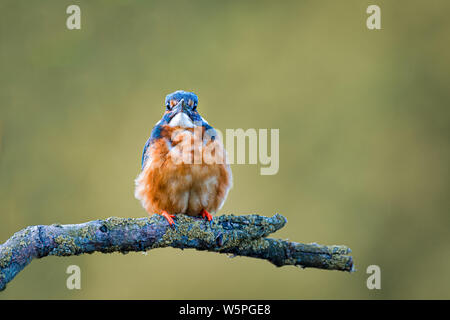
(221,234)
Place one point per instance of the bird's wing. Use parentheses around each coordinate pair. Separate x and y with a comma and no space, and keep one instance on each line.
(144,153)
(155,135)
(210,132)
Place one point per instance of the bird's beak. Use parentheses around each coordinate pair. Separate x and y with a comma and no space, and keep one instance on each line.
(181,115)
(180,107)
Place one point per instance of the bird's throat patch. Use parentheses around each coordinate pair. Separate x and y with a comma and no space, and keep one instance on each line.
(181,120)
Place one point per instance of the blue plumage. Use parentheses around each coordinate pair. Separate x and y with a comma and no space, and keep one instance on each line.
(181,94)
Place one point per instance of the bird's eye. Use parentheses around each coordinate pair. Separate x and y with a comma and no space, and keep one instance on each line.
(170,104)
(195,106)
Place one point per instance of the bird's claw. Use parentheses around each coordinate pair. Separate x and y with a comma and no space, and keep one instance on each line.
(206,215)
(169,218)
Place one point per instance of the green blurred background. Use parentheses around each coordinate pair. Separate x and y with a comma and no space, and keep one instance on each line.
(364,137)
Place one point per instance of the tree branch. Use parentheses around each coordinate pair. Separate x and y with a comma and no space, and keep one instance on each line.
(236,235)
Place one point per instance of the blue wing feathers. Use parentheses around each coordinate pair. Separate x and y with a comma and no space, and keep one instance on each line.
(155,135)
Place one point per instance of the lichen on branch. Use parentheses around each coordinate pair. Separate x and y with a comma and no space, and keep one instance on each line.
(238,235)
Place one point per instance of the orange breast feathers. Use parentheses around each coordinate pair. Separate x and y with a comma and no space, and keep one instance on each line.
(184,173)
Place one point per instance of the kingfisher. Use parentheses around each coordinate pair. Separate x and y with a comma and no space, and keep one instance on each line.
(183,167)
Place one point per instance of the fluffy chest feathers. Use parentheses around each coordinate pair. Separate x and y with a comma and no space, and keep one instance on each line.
(178,175)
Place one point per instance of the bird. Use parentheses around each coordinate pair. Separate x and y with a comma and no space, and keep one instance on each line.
(184,168)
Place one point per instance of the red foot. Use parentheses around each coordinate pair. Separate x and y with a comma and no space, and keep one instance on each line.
(168,217)
(207,215)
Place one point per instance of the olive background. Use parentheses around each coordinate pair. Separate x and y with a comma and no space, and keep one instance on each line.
(364,137)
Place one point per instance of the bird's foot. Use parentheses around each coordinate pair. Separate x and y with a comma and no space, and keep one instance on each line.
(168,217)
(206,215)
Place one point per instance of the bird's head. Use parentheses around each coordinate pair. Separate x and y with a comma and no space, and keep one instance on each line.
(181,110)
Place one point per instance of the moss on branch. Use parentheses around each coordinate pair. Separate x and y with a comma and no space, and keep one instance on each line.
(238,235)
